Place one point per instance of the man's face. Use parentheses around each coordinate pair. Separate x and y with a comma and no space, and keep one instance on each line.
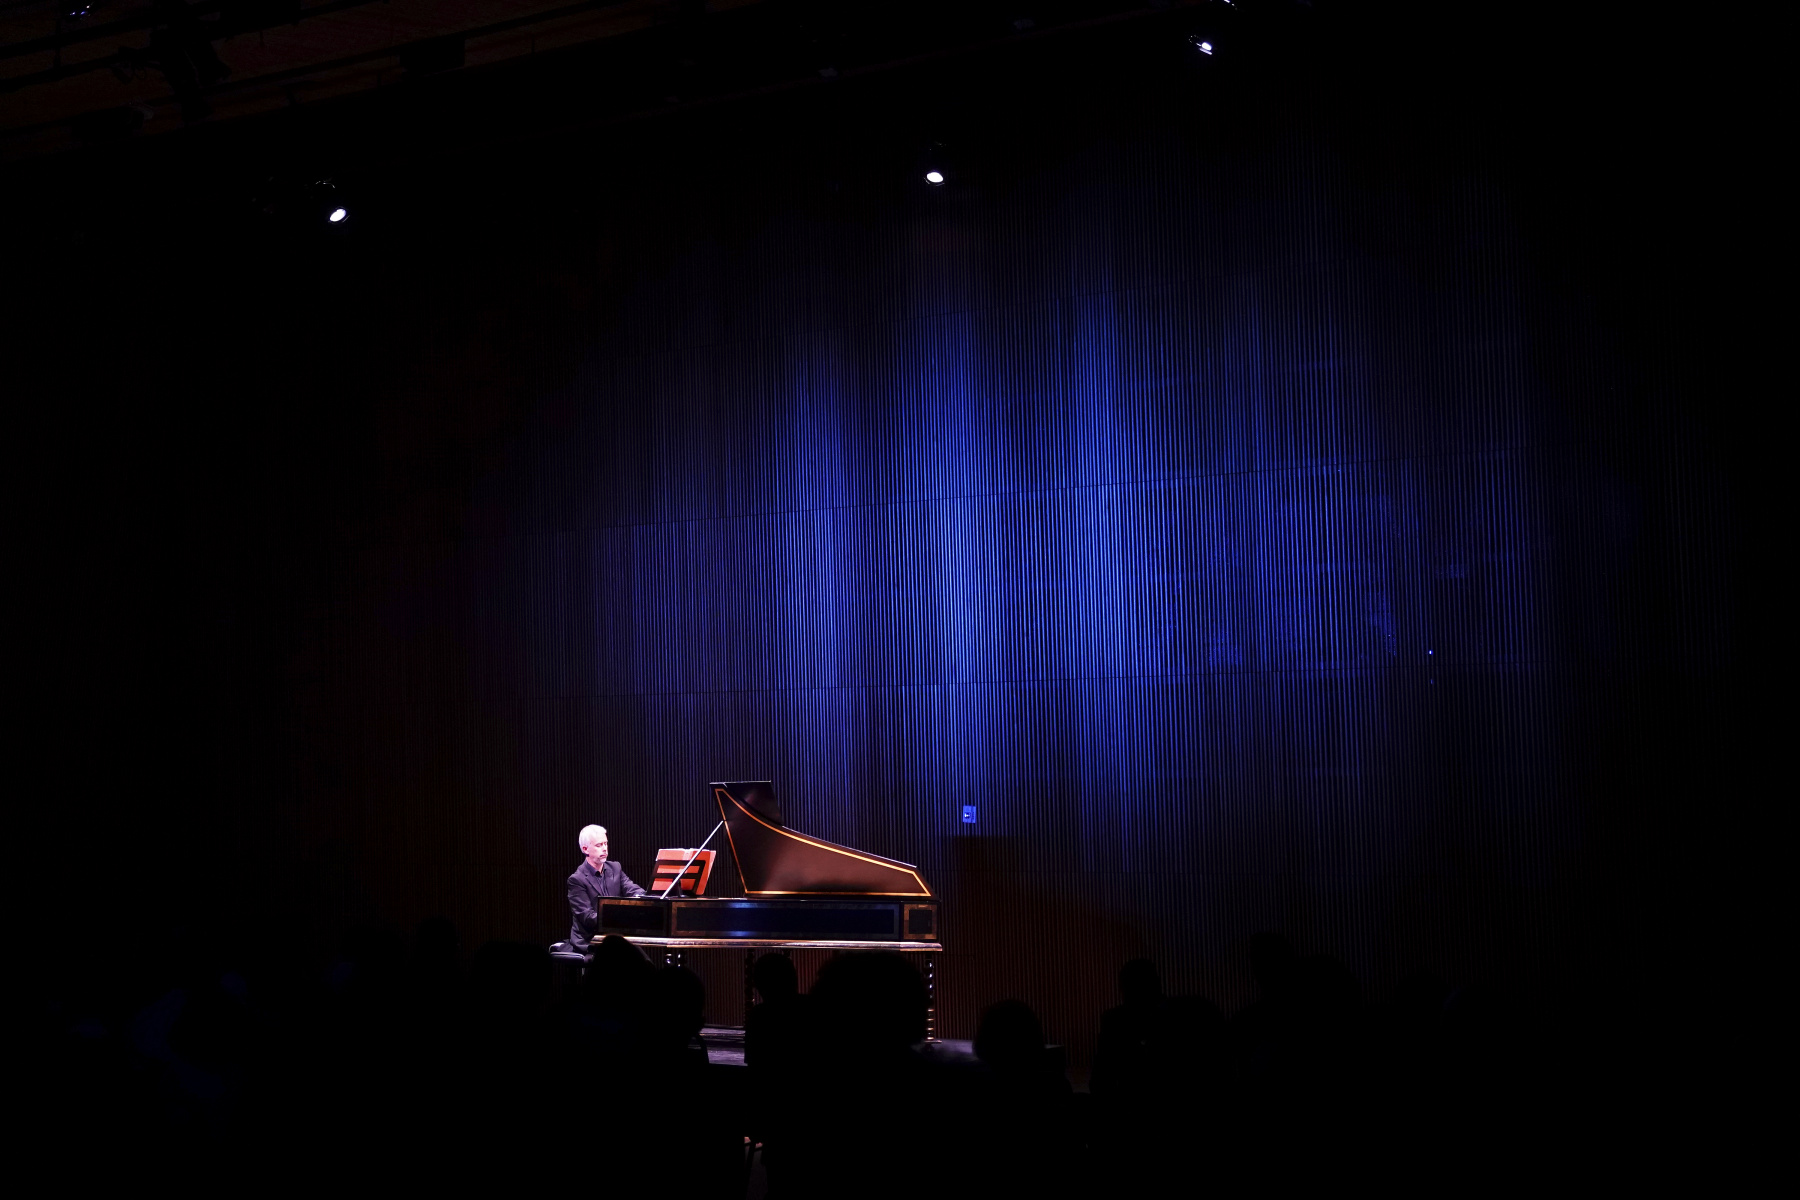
(596,853)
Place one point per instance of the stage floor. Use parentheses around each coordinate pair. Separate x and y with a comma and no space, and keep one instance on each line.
(725,1046)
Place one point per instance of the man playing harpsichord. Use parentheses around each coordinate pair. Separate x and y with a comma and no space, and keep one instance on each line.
(592,880)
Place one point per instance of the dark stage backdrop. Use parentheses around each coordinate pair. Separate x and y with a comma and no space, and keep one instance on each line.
(1254,519)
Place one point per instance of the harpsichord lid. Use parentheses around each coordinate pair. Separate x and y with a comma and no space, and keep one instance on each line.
(774,860)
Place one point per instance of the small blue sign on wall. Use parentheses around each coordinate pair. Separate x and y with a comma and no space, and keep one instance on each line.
(968,814)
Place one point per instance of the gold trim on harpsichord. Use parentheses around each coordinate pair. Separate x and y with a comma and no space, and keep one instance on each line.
(690,943)
(722,795)
(906,912)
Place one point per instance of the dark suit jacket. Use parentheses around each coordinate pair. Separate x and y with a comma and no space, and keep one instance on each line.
(586,886)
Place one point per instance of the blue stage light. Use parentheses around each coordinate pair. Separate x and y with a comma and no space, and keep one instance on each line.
(337,215)
(934,177)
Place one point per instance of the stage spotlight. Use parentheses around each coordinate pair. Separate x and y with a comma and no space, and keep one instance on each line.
(1201,44)
(307,202)
(327,200)
(935,164)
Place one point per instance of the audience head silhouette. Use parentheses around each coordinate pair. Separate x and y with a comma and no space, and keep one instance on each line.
(510,979)
(873,1001)
(1009,1039)
(1272,961)
(775,978)
(618,976)
(1140,983)
(678,1007)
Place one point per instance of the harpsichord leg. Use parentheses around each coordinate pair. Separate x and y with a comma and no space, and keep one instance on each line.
(931,1029)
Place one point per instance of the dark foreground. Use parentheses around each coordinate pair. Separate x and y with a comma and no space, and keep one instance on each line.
(241,1070)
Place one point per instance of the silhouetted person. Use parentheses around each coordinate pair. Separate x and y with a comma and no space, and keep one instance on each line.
(1137,1086)
(862,1087)
(1025,1136)
(775,978)
(1010,1043)
(1133,1038)
(1273,963)
(872,1004)
(651,1103)
(1489,1079)
(356,1075)
(1263,1032)
(676,1013)
(606,1021)
(772,1028)
(1197,1058)
(511,1059)
(1298,1051)
(618,978)
(1328,1016)
(509,982)
(775,1049)
(1410,1020)
(435,952)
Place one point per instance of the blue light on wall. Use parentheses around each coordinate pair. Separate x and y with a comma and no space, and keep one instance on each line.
(1134,516)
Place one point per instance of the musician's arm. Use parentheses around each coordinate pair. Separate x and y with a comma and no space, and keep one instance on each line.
(626,887)
(581,907)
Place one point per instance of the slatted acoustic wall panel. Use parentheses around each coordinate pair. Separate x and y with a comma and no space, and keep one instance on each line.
(1247,538)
